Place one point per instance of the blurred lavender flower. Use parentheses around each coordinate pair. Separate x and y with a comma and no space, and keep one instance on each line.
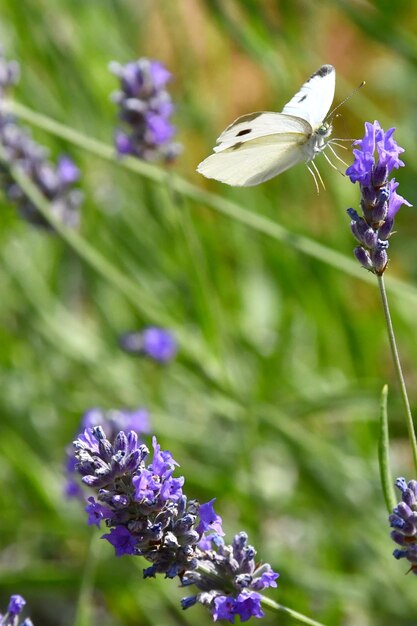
(148,515)
(157,343)
(9,74)
(404,522)
(112,422)
(11,617)
(54,182)
(380,201)
(145,111)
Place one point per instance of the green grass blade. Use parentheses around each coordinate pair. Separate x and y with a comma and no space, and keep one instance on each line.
(294,615)
(142,300)
(383,453)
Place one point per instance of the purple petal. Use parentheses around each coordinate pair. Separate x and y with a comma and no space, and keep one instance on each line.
(224,608)
(122,540)
(160,129)
(16,605)
(159,73)
(209,520)
(395,200)
(67,171)
(159,344)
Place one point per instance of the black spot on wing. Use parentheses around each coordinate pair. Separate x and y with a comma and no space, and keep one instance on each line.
(243,119)
(245,131)
(303,98)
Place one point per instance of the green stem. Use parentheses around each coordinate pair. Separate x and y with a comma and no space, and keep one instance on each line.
(201,196)
(383,454)
(280,608)
(397,363)
(265,601)
(83,610)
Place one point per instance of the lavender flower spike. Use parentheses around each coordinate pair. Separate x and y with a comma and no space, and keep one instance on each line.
(145,109)
(403,520)
(14,609)
(147,514)
(375,159)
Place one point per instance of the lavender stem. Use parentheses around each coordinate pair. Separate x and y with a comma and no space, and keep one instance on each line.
(397,363)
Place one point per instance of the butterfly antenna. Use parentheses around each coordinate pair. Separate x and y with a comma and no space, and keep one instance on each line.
(331,114)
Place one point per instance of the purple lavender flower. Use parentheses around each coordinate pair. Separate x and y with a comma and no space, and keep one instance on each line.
(112,422)
(54,182)
(144,506)
(11,617)
(145,108)
(228,578)
(376,158)
(157,343)
(404,522)
(148,515)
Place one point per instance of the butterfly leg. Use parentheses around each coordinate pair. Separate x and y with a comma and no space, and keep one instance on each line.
(332,164)
(336,155)
(314,178)
(316,169)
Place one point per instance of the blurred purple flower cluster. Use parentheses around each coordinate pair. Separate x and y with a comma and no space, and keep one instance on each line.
(9,74)
(157,343)
(54,182)
(145,109)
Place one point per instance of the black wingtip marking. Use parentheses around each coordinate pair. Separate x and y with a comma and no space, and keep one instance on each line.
(245,131)
(324,70)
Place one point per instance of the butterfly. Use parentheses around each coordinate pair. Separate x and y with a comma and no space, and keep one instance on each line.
(258,146)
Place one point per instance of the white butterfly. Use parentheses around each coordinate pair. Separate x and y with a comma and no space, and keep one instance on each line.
(261,145)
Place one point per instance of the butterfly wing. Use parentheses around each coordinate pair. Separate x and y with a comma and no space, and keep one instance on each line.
(250,162)
(313,101)
(255,161)
(257,125)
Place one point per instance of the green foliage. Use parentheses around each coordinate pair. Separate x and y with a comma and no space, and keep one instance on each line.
(272,404)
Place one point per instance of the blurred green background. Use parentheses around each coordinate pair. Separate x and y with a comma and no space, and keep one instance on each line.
(272,403)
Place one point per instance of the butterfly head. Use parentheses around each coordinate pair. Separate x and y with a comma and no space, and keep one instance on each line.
(324,130)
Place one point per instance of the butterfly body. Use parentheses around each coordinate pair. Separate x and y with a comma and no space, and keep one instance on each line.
(258,146)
